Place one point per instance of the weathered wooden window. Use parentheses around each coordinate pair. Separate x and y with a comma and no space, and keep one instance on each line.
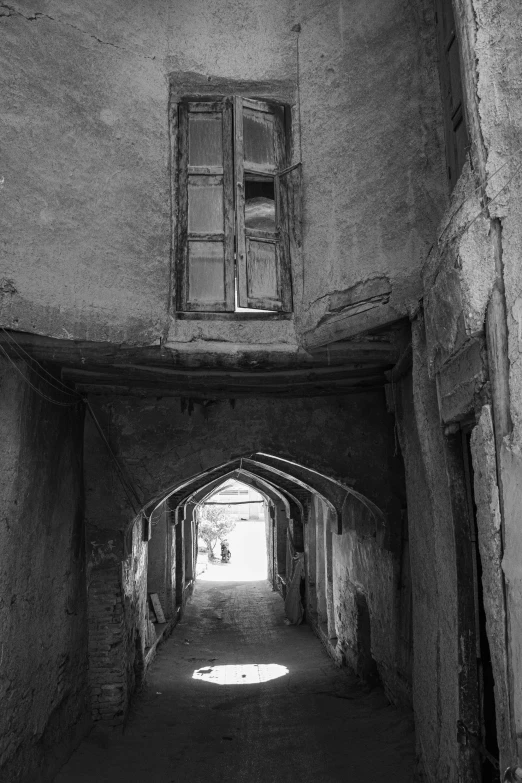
(451,86)
(234,219)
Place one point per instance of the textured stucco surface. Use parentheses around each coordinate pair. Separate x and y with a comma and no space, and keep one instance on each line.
(43,682)
(372,153)
(511,464)
(433,567)
(361,566)
(459,281)
(85,197)
(85,205)
(489,524)
(459,274)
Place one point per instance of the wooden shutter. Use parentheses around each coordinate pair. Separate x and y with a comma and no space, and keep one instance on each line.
(451,86)
(206,212)
(262,252)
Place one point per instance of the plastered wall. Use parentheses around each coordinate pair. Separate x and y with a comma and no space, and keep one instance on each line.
(86,188)
(43,616)
(353,585)
(476,262)
(433,571)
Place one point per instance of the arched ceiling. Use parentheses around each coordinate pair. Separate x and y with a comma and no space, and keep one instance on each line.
(296,482)
(266,489)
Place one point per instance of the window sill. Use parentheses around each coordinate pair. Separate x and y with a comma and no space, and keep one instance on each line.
(253,316)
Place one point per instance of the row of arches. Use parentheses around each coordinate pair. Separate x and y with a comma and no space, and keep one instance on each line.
(293,492)
(308,512)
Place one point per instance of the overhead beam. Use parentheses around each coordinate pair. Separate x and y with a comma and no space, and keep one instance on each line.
(380,350)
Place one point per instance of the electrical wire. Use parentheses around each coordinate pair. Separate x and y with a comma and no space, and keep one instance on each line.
(25,356)
(35,388)
(486,207)
(131,493)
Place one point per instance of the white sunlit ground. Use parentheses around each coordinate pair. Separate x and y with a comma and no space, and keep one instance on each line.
(247,542)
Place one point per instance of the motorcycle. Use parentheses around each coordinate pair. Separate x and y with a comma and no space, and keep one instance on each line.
(226,554)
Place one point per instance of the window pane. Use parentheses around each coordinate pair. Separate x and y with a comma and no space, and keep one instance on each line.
(260,205)
(258,138)
(260,214)
(205,140)
(206,272)
(262,274)
(205,207)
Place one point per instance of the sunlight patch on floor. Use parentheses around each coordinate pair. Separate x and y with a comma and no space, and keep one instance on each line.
(240,674)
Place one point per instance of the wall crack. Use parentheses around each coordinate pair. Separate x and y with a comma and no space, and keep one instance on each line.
(8,10)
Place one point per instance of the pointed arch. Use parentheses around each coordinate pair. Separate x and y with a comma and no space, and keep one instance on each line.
(299,482)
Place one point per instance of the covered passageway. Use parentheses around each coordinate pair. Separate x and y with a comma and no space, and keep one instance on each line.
(241,689)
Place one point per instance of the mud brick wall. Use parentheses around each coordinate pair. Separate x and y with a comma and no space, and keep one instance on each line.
(106,663)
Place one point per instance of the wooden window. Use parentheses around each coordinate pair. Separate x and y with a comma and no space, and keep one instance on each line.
(233,234)
(451,86)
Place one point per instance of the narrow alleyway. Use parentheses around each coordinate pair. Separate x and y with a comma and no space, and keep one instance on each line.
(236,695)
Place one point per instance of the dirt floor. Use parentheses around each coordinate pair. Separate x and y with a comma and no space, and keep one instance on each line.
(237,695)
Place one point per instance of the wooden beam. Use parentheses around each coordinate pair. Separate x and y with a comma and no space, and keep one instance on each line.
(353,387)
(77,353)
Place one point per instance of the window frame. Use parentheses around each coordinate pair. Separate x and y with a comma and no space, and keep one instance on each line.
(236,238)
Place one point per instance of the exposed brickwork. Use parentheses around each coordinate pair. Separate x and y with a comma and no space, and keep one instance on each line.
(108,681)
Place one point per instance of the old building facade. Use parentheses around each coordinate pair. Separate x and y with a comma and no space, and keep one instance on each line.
(276,242)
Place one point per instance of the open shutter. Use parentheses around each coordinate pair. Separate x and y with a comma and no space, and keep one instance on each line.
(261,218)
(451,85)
(206,211)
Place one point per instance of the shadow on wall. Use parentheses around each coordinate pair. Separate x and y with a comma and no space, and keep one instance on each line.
(365,665)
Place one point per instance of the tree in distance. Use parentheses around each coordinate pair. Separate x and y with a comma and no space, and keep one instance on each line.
(214,524)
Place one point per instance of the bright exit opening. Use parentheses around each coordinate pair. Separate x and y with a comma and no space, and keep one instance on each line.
(232,519)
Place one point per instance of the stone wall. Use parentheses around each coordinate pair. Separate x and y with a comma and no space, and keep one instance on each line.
(43,612)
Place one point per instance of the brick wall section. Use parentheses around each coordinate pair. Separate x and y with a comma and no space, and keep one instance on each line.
(108,682)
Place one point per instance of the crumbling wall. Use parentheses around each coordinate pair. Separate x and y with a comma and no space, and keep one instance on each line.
(433,570)
(43,689)
(365,585)
(373,161)
(352,600)
(117,583)
(473,285)
(489,524)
